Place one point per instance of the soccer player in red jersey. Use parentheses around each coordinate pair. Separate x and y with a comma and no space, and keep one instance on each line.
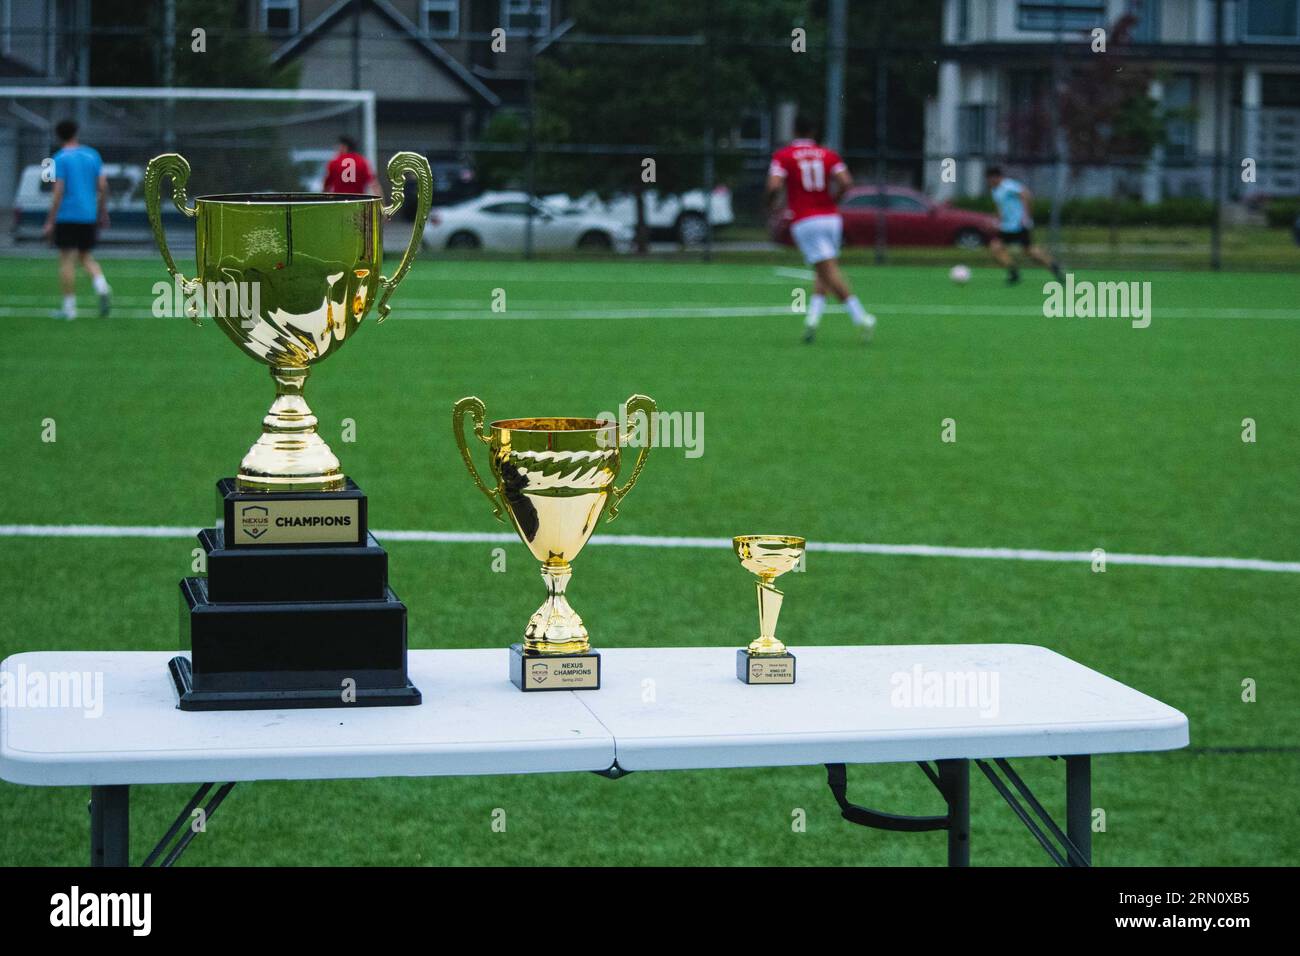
(814,178)
(348,171)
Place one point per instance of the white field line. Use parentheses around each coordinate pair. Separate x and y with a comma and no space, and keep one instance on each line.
(648,541)
(884,309)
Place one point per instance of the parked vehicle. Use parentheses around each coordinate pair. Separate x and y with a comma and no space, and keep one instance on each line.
(128,221)
(679,218)
(498,221)
(911,219)
(453,180)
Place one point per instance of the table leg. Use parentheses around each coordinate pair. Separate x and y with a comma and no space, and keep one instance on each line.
(954,783)
(1078,804)
(110,826)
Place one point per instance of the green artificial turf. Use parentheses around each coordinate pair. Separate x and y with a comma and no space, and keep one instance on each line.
(1072,434)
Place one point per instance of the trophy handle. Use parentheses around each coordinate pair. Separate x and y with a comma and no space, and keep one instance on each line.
(398,167)
(175,167)
(634,404)
(472,406)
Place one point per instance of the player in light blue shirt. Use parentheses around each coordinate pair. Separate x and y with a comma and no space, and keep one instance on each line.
(78,208)
(1015,225)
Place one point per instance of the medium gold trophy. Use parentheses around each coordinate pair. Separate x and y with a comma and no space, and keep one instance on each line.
(766,660)
(554,477)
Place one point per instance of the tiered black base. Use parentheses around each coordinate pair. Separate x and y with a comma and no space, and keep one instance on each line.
(294,623)
(192,699)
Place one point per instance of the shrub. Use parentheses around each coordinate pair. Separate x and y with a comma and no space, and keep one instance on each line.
(1102,211)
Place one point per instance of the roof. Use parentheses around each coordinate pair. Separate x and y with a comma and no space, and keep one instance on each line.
(322,25)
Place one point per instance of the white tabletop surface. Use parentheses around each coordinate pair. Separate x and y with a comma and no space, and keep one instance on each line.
(682,708)
(658,709)
(472,721)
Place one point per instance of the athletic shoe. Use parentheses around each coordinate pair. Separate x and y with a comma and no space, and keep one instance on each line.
(60,314)
(1013,276)
(808,336)
(105,303)
(1058,273)
(868,330)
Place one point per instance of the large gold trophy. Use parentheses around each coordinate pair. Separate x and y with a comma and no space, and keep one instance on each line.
(766,660)
(303,270)
(554,477)
(294,609)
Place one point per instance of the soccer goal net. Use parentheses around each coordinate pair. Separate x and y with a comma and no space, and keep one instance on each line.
(237,140)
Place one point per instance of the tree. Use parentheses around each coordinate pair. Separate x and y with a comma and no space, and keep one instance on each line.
(650,102)
(128,48)
(1106,107)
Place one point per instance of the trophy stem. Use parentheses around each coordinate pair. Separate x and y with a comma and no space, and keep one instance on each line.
(555,627)
(769,609)
(290,455)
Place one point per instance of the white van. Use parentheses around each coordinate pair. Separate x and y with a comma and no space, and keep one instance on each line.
(127,219)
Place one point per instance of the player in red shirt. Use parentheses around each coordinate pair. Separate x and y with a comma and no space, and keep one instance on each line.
(348,171)
(814,178)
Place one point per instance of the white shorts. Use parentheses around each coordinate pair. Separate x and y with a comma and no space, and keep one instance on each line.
(818,237)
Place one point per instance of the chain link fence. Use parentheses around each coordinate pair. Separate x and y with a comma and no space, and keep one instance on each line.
(574,139)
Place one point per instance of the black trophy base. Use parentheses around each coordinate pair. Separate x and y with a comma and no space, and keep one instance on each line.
(530,672)
(248,656)
(295,573)
(289,519)
(764,668)
(251,698)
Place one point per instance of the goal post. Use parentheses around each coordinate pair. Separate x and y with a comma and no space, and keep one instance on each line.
(237,140)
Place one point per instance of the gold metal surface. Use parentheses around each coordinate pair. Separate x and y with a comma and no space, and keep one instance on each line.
(310,262)
(554,478)
(768,556)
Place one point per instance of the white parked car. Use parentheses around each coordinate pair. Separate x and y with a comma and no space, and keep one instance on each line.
(498,220)
(675,217)
(126,212)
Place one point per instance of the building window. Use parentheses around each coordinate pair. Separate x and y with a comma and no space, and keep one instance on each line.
(972,126)
(523,16)
(280,16)
(1180,108)
(963,20)
(1270,20)
(1147,28)
(1066,15)
(440,18)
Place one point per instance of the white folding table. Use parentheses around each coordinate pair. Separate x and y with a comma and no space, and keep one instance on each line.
(658,709)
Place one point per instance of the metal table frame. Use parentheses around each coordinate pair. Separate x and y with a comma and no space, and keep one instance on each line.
(110,813)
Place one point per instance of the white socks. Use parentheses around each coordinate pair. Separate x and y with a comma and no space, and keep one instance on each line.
(100,284)
(816,306)
(70,306)
(859,315)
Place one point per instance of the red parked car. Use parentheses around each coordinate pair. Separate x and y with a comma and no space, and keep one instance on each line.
(911,219)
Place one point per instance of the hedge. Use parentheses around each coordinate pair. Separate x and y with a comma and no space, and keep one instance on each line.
(1104,212)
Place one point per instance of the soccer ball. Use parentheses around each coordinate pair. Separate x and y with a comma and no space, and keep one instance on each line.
(959,274)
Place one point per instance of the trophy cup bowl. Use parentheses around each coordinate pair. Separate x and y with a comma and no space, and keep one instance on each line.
(288,277)
(554,477)
(767,556)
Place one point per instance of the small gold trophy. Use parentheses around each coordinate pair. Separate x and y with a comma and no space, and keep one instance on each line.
(766,660)
(554,477)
